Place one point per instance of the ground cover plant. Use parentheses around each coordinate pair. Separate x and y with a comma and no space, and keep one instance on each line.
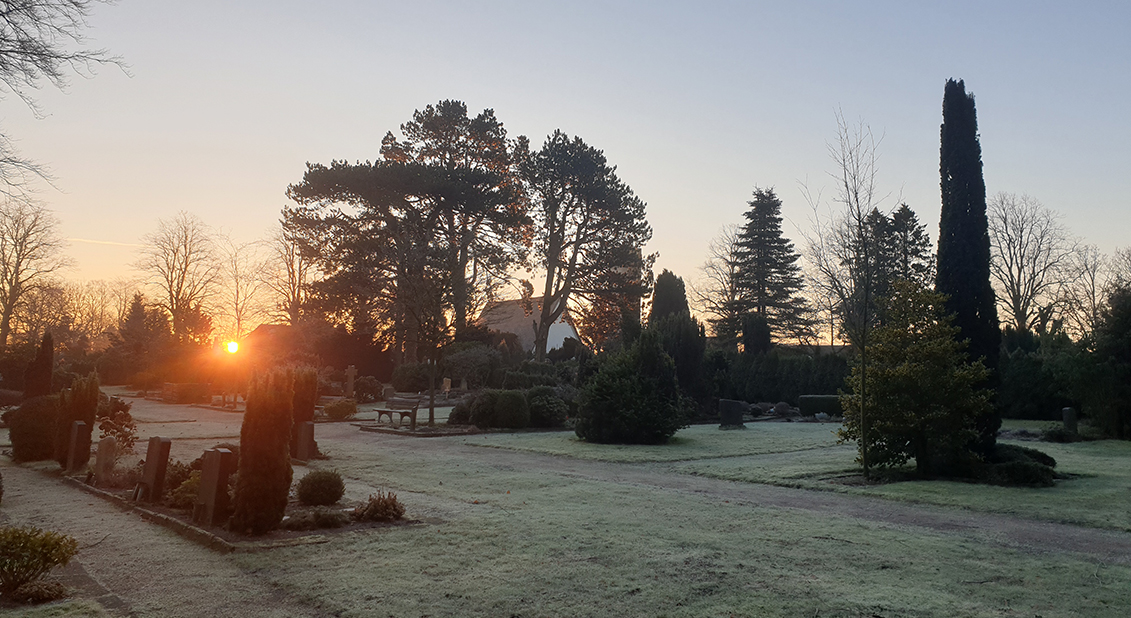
(27,554)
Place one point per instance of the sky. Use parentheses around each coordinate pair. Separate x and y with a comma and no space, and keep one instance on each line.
(223,104)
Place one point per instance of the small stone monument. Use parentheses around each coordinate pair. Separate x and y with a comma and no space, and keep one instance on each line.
(211,506)
(78,449)
(1069,415)
(351,373)
(152,485)
(730,414)
(388,393)
(306,447)
(463,384)
(104,461)
(447,385)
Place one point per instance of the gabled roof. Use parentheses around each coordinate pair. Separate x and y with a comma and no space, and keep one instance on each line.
(510,316)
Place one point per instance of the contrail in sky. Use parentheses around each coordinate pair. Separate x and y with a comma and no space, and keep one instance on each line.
(105,242)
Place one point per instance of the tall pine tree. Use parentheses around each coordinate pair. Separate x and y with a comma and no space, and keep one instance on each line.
(769,276)
(963,268)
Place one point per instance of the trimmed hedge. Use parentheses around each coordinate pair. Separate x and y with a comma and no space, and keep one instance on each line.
(32,429)
(546,408)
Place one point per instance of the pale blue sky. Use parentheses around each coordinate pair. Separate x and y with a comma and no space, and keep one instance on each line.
(695,103)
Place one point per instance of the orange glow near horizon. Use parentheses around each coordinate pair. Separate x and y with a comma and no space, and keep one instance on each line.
(232,347)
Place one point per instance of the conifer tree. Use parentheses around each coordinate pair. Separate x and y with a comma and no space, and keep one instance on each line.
(963,268)
(265,459)
(669,297)
(769,275)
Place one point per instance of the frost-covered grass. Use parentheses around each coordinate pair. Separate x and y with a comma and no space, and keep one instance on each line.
(695,442)
(69,609)
(532,543)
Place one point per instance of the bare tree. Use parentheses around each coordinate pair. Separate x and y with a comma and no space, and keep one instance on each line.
(35,36)
(288,273)
(1082,298)
(241,271)
(30,251)
(1031,254)
(718,293)
(181,259)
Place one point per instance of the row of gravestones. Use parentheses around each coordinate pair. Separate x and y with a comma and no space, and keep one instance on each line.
(211,505)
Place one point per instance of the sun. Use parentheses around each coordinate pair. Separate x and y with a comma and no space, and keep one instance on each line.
(232,347)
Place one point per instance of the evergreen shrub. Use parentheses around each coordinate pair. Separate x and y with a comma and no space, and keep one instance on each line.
(305,399)
(316,519)
(321,488)
(546,408)
(340,409)
(412,377)
(37,376)
(483,409)
(811,405)
(634,397)
(184,495)
(461,412)
(31,428)
(367,389)
(77,403)
(511,411)
(264,480)
(26,554)
(473,364)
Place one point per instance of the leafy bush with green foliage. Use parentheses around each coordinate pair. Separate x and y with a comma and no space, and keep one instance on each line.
(634,398)
(412,377)
(177,473)
(367,389)
(380,507)
(114,419)
(184,495)
(77,403)
(546,408)
(265,473)
(26,554)
(316,519)
(31,428)
(1032,381)
(473,364)
(511,411)
(483,409)
(461,412)
(922,396)
(340,409)
(321,488)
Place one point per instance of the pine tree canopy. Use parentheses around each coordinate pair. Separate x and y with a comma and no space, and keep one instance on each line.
(769,276)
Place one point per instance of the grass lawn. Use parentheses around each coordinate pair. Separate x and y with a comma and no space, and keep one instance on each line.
(515,542)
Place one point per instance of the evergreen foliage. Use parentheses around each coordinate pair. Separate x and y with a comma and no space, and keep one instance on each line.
(922,396)
(37,378)
(1110,393)
(963,267)
(320,488)
(304,402)
(27,554)
(769,277)
(547,409)
(682,337)
(634,398)
(31,428)
(264,462)
(77,403)
(511,411)
(669,297)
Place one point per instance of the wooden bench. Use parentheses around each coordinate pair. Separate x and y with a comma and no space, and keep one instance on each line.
(404,406)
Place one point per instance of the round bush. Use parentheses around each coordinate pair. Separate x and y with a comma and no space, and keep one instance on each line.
(341,409)
(411,377)
(546,408)
(367,389)
(461,413)
(483,409)
(32,429)
(30,553)
(321,488)
(511,411)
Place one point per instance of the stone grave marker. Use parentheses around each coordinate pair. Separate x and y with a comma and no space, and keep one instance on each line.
(78,449)
(463,384)
(730,413)
(306,447)
(1069,415)
(152,485)
(351,373)
(388,393)
(447,385)
(211,507)
(104,460)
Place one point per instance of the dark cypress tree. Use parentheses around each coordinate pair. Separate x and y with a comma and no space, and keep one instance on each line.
(669,297)
(37,376)
(769,276)
(963,267)
(265,458)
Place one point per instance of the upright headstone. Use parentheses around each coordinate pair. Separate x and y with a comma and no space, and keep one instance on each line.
(730,413)
(1069,415)
(152,485)
(78,449)
(388,393)
(211,507)
(351,373)
(306,447)
(463,384)
(104,461)
(447,385)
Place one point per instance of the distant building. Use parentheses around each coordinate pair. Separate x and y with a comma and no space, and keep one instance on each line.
(509,316)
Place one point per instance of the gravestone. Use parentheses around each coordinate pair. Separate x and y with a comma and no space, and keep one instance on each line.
(463,384)
(306,448)
(351,373)
(388,393)
(1069,415)
(447,385)
(211,507)
(152,485)
(104,461)
(78,449)
(730,413)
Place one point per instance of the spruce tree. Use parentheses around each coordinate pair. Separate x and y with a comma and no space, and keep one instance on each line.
(963,267)
(669,297)
(769,275)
